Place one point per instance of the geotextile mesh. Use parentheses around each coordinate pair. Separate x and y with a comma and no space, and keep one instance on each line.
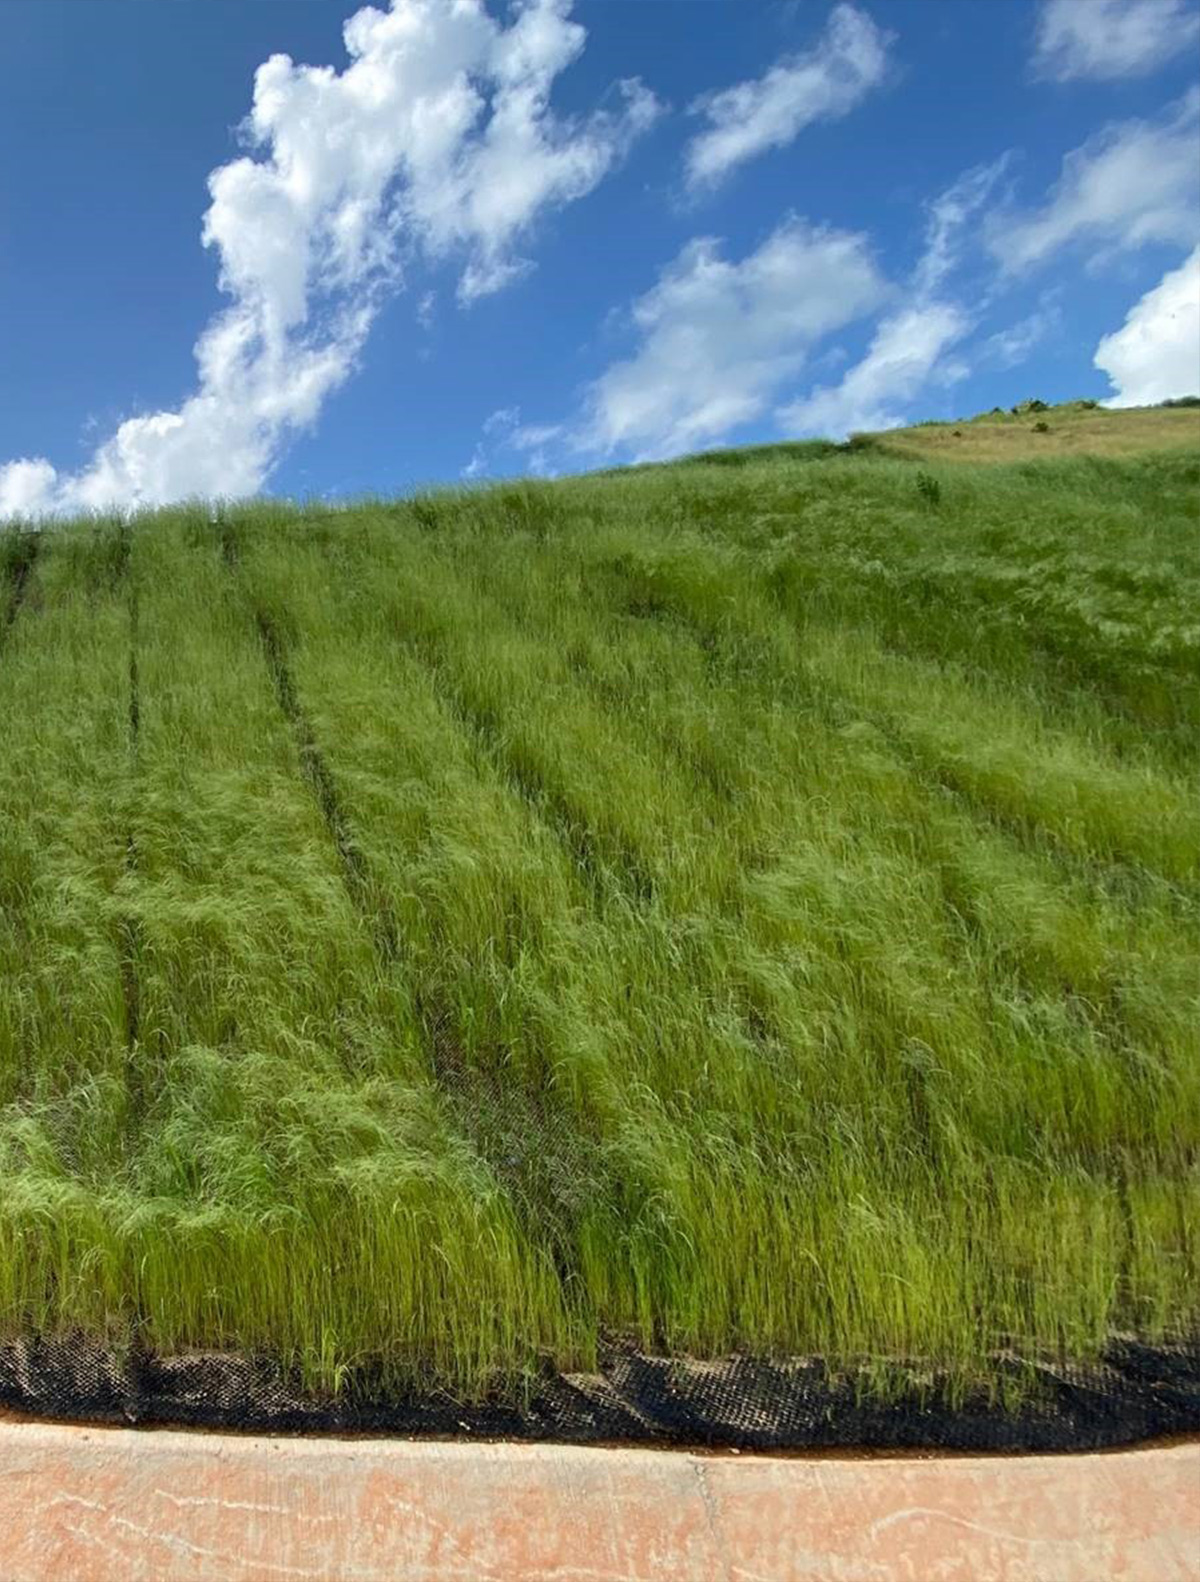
(1135,1393)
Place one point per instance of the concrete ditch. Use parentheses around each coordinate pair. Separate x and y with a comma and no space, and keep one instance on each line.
(81,1504)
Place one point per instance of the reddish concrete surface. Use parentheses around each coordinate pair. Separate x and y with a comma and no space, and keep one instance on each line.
(90,1505)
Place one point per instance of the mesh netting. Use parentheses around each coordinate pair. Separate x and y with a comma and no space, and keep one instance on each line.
(1135,1393)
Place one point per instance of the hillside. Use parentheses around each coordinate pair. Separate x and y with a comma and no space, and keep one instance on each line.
(1033,431)
(737,907)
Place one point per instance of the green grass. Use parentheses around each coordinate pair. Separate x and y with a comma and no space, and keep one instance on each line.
(743,904)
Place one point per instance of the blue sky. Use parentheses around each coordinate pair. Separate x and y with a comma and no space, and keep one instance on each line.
(445,239)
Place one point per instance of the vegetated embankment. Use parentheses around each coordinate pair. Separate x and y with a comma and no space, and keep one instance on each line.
(720,908)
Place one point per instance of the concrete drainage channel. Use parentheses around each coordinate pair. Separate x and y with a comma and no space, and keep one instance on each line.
(94,1504)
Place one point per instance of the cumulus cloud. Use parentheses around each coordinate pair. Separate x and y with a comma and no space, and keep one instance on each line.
(718,337)
(904,354)
(1104,39)
(437,137)
(24,486)
(909,347)
(849,59)
(721,340)
(1133,183)
(1156,354)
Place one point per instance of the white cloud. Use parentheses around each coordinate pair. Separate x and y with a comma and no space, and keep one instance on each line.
(1011,347)
(849,59)
(1156,354)
(947,218)
(23,486)
(438,135)
(718,338)
(908,350)
(1132,183)
(904,354)
(504,432)
(1103,39)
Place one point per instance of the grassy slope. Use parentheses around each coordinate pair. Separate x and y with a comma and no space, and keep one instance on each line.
(743,906)
(1072,429)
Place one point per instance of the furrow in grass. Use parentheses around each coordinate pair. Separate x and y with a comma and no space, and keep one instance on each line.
(596,856)
(511,724)
(18,554)
(316,770)
(130,928)
(661,687)
(623,805)
(548,1168)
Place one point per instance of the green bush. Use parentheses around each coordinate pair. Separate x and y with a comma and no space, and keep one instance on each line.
(929,488)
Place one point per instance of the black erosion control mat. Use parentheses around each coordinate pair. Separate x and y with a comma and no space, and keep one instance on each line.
(1136,1393)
